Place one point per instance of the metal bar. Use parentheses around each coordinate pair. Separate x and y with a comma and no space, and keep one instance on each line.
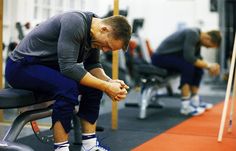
(227,95)
(24,118)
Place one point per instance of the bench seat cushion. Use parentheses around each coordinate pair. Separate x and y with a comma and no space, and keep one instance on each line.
(15,98)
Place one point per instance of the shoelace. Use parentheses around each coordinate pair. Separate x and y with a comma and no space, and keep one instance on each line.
(102,146)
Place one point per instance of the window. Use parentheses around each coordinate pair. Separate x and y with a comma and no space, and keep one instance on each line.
(36,12)
(72,3)
(47,2)
(44,9)
(46,13)
(59,3)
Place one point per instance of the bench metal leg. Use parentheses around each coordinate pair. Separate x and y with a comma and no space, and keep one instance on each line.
(77,130)
(169,89)
(24,118)
(145,97)
(7,146)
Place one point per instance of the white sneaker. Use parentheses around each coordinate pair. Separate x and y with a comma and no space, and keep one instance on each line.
(197,101)
(191,110)
(206,105)
(97,147)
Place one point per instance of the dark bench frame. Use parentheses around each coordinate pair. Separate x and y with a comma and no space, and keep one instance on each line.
(15,98)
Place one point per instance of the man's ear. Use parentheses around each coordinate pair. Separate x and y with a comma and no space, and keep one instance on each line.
(208,37)
(104,29)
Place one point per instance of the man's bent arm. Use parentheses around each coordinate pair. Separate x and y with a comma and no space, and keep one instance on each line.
(91,81)
(100,74)
(201,64)
(113,90)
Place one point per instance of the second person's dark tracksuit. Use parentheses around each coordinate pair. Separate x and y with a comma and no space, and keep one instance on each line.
(178,52)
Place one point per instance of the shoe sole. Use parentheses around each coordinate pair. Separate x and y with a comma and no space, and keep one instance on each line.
(196,114)
(207,108)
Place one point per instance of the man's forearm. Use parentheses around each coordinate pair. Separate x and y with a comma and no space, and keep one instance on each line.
(100,74)
(94,82)
(201,64)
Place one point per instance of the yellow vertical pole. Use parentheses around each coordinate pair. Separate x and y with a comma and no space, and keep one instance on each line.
(115,64)
(1,59)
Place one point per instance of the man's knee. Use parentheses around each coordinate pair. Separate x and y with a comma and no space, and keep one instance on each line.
(199,72)
(96,93)
(90,104)
(68,92)
(91,93)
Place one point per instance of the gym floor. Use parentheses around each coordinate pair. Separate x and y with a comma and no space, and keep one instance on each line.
(164,129)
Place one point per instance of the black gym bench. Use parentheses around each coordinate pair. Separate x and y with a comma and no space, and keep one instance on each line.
(16,98)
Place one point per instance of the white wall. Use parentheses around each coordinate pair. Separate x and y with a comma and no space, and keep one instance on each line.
(210,21)
(24,11)
(162,17)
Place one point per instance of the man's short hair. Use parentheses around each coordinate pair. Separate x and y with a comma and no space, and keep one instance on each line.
(121,29)
(215,36)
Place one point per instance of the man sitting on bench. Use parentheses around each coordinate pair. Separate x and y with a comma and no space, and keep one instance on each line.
(181,52)
(47,62)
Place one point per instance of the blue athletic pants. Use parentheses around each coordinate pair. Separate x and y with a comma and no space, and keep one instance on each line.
(45,80)
(190,74)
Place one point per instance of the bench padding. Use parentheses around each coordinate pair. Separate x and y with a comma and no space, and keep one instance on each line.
(15,98)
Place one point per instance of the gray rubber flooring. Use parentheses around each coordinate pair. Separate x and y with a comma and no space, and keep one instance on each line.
(131,131)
